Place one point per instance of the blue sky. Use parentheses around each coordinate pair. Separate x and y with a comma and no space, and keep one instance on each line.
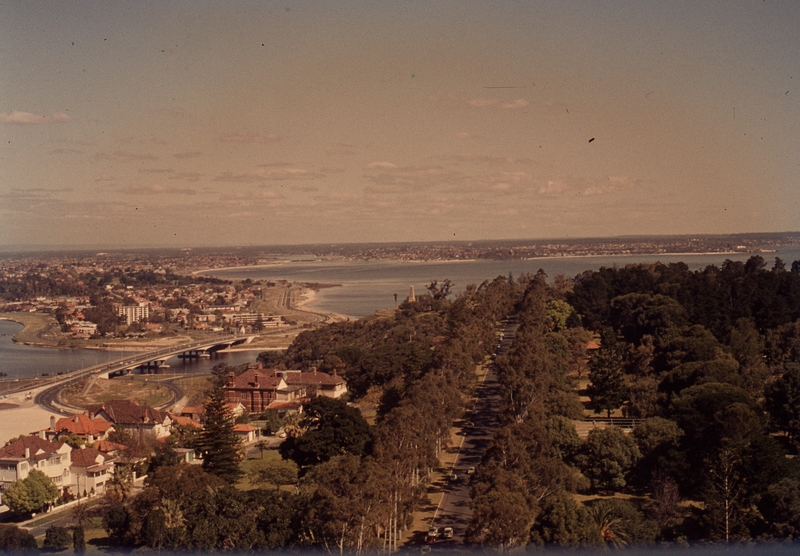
(237,123)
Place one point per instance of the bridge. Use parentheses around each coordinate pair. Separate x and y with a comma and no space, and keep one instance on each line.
(144,360)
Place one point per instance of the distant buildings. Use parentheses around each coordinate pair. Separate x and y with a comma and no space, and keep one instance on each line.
(134,313)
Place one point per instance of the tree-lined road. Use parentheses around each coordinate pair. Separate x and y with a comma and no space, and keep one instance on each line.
(454,508)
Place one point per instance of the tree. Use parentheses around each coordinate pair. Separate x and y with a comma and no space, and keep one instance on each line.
(725,508)
(78,539)
(608,455)
(278,473)
(782,400)
(332,429)
(564,522)
(57,538)
(607,388)
(31,494)
(218,445)
(12,538)
(780,506)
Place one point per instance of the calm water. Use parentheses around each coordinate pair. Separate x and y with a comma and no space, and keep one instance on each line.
(21,361)
(366,287)
(369,286)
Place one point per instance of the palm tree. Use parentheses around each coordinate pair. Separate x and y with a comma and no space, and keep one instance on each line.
(609,525)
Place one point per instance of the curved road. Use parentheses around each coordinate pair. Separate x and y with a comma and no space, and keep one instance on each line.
(48,395)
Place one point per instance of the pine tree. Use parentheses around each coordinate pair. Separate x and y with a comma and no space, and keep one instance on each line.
(218,444)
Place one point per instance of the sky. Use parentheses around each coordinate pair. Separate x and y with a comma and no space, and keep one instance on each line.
(199,123)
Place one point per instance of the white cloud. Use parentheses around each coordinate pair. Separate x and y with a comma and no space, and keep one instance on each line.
(154,190)
(17,117)
(249,138)
(156,170)
(554,187)
(459,101)
(341,149)
(124,156)
(185,156)
(389,177)
(268,173)
(612,185)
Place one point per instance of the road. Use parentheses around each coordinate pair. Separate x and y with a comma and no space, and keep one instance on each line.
(478,430)
(46,397)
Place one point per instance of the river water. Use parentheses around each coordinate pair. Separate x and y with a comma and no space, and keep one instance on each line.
(369,286)
(365,287)
(22,361)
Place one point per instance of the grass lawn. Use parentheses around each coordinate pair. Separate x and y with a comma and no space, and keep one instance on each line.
(39,328)
(145,391)
(194,387)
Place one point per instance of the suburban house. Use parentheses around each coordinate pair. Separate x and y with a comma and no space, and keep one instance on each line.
(246,433)
(19,457)
(130,416)
(91,470)
(257,388)
(316,383)
(80,425)
(195,412)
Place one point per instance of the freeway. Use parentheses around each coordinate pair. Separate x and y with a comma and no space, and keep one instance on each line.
(46,397)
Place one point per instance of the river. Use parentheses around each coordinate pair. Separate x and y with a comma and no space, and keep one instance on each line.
(369,286)
(23,361)
(365,287)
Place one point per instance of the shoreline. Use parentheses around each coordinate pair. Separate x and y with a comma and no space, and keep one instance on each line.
(302,302)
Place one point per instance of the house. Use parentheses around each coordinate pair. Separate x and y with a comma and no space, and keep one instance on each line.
(19,457)
(316,383)
(195,412)
(180,420)
(257,387)
(80,425)
(130,416)
(246,433)
(91,470)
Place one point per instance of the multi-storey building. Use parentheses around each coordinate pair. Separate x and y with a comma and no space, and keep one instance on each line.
(19,457)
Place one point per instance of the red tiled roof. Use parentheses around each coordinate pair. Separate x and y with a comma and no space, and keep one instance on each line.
(82,424)
(241,427)
(86,457)
(127,412)
(313,377)
(185,421)
(39,448)
(256,379)
(108,446)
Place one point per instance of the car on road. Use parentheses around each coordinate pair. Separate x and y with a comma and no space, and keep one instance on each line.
(453,478)
(448,533)
(433,533)
(470,471)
